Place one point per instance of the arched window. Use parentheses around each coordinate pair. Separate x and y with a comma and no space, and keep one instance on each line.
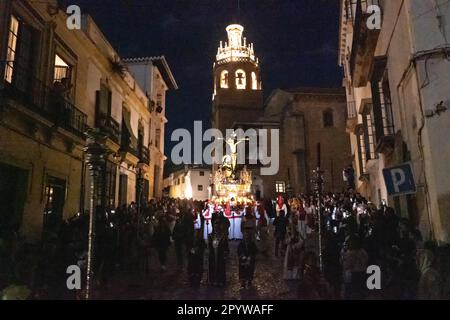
(328,119)
(224,79)
(254,81)
(241,80)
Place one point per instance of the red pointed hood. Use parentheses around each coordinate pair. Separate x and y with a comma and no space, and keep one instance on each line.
(280,201)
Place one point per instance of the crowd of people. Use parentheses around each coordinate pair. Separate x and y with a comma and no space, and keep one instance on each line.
(325,247)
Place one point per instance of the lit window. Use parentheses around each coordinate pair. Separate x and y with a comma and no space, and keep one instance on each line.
(254,81)
(241,80)
(280,187)
(12,46)
(62,70)
(224,79)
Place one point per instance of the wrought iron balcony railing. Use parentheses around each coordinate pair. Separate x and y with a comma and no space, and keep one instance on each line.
(127,145)
(50,103)
(144,155)
(110,126)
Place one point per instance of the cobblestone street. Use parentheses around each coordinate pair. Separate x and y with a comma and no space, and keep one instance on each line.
(173,285)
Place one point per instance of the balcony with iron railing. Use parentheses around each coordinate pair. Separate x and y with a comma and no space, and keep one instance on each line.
(365,40)
(144,155)
(33,94)
(128,145)
(109,126)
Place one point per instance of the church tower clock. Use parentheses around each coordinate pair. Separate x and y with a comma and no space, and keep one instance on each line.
(237,93)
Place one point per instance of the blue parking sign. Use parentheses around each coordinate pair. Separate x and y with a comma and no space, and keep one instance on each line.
(400,180)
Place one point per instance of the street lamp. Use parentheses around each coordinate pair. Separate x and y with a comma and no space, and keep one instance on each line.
(96,154)
(318,182)
(139,189)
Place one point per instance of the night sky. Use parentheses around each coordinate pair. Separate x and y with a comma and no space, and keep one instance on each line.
(296,42)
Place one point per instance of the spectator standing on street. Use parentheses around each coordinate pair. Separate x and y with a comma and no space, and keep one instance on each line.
(247,251)
(161,240)
(280,223)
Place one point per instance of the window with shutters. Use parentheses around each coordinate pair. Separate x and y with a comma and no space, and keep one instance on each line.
(103,106)
(369,132)
(12,48)
(382,106)
(104,100)
(19,68)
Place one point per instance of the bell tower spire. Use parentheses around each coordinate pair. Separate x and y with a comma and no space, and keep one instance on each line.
(237,94)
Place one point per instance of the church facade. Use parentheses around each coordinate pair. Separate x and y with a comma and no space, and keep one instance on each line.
(305,117)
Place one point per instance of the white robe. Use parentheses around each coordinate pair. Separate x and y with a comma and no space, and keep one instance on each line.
(207,228)
(198,222)
(309,211)
(236,225)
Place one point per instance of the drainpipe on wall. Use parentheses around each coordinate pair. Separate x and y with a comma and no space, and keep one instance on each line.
(421,151)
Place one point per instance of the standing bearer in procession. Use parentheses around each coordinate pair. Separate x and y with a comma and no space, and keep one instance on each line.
(247,251)
(195,260)
(207,220)
(294,256)
(280,223)
(262,227)
(237,221)
(281,206)
(249,224)
(217,245)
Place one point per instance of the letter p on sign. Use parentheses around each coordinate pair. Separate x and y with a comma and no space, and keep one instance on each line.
(400,180)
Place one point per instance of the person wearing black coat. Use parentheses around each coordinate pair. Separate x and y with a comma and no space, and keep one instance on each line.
(195,260)
(247,251)
(280,223)
(161,241)
(178,236)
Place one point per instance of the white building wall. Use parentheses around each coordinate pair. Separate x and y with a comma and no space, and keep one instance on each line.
(419,76)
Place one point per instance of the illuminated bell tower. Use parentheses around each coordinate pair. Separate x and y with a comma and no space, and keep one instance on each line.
(237,93)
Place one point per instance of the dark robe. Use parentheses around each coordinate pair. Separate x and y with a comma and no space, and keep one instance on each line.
(217,252)
(195,262)
(247,257)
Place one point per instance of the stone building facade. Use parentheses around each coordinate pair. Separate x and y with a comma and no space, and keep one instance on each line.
(310,119)
(397,79)
(56,83)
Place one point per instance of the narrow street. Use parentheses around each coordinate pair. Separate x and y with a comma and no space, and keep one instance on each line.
(173,285)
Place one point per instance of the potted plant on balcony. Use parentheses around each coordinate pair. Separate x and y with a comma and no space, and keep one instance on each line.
(118,67)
